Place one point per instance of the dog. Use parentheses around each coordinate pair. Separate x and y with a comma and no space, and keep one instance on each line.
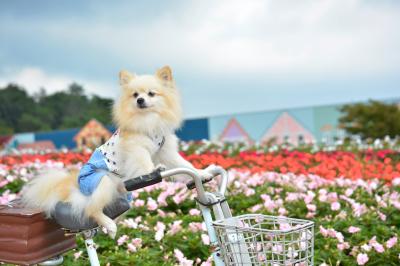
(147,113)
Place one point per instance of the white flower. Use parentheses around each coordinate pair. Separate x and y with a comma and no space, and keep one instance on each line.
(366,247)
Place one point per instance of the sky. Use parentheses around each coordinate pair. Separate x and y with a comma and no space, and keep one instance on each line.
(227,56)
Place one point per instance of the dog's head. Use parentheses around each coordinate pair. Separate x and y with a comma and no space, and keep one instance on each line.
(148,103)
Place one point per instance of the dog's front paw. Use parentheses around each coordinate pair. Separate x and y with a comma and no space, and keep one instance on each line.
(161,167)
(111,228)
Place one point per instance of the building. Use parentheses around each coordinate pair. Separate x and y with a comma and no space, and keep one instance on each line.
(92,135)
(294,125)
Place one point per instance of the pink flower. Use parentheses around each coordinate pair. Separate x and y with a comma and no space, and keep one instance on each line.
(322,198)
(343,246)
(332,197)
(311,207)
(396,182)
(396,204)
(181,258)
(359,209)
(138,203)
(207,262)
(362,258)
(255,208)
(277,249)
(335,206)
(206,239)
(323,195)
(162,198)
(339,236)
(284,226)
(3,183)
(161,213)
(77,255)
(175,227)
(132,248)
(353,229)
(348,192)
(261,257)
(282,211)
(309,197)
(134,245)
(194,212)
(195,227)
(366,247)
(122,240)
(292,197)
(268,203)
(382,216)
(151,204)
(378,247)
(180,197)
(391,242)
(130,223)
(323,231)
(372,241)
(249,191)
(310,215)
(160,228)
(137,242)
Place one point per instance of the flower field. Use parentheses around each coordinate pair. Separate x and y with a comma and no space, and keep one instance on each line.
(351,195)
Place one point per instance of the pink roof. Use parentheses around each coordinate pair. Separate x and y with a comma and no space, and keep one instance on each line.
(286,126)
(234,132)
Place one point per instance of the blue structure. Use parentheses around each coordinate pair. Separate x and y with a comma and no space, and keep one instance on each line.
(194,129)
(60,138)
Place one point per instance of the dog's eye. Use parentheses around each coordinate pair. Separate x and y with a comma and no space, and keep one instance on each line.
(135,94)
(151,94)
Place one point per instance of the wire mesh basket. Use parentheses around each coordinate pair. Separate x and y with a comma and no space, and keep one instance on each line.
(255,239)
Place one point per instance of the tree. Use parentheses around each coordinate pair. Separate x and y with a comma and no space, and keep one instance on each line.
(20,112)
(14,102)
(374,119)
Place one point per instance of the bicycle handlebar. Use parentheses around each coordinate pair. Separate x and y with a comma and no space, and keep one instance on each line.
(144,180)
(197,182)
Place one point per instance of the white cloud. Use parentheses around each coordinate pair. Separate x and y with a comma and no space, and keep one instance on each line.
(327,37)
(290,40)
(34,78)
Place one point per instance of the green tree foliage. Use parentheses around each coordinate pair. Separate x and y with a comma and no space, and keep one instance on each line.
(374,119)
(20,112)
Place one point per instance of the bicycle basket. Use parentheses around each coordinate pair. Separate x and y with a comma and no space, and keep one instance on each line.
(255,239)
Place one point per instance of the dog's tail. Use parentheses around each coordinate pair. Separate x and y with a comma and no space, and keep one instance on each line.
(45,191)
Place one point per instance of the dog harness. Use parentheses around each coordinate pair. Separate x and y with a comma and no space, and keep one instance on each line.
(103,161)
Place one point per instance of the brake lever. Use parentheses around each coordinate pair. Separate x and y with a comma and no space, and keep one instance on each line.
(191,184)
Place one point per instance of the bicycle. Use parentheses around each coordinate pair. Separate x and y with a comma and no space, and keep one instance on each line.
(251,239)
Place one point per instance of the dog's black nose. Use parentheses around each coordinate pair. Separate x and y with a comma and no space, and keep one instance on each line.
(140,101)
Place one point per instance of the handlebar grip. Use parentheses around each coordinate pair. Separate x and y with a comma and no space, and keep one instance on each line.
(144,180)
(191,184)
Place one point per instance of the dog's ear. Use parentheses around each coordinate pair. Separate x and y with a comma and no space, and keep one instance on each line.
(125,77)
(164,73)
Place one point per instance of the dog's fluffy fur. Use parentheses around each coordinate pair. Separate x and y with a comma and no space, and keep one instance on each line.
(137,153)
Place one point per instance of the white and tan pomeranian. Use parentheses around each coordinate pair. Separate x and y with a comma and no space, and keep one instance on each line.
(147,114)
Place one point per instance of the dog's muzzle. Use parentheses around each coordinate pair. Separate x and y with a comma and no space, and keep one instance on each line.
(141,103)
